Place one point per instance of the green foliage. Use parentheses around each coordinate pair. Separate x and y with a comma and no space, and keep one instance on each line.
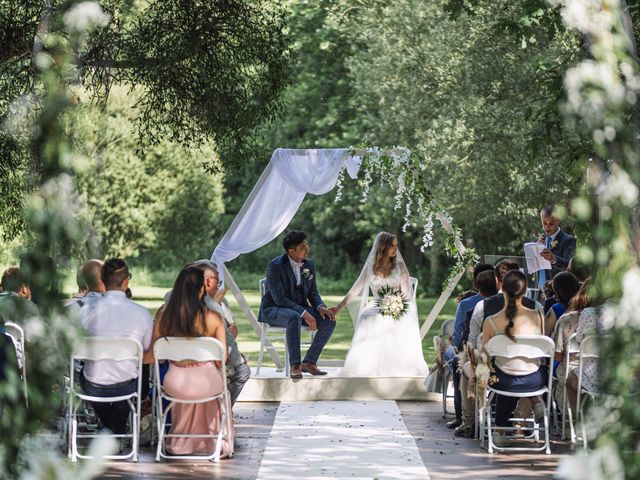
(158,204)
(480,110)
(52,219)
(204,71)
(476,104)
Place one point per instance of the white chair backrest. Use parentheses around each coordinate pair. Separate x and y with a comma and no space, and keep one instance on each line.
(527,346)
(413,282)
(263,286)
(199,349)
(589,347)
(108,348)
(571,345)
(447,327)
(16,333)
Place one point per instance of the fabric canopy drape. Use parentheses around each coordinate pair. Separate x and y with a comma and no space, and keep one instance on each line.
(277,196)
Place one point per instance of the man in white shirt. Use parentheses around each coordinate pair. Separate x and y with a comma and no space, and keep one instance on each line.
(114,315)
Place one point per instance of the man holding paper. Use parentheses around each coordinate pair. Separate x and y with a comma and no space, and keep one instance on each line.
(559,246)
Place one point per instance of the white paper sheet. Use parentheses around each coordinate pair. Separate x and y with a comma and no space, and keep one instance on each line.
(535,261)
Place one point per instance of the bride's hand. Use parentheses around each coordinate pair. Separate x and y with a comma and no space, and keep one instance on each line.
(327,313)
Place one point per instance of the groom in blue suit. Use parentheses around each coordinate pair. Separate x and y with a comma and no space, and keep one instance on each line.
(291,299)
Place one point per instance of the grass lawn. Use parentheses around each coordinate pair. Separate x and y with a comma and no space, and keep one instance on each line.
(337,348)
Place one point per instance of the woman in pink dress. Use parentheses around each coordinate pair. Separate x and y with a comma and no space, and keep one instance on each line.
(185,315)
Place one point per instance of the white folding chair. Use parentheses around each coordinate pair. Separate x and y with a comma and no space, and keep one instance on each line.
(446,331)
(16,333)
(199,349)
(525,346)
(571,348)
(105,348)
(278,334)
(588,349)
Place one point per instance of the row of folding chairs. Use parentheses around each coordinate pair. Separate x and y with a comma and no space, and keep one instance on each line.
(202,349)
(534,347)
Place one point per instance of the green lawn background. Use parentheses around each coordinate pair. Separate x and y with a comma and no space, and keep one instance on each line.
(249,342)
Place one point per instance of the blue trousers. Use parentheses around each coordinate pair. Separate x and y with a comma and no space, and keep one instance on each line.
(292,321)
(515,383)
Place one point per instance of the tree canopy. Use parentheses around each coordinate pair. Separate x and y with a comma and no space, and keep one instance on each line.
(207,71)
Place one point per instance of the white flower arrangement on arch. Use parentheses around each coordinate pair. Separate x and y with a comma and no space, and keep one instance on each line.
(399,166)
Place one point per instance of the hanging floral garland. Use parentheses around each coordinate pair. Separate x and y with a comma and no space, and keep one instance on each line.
(412,195)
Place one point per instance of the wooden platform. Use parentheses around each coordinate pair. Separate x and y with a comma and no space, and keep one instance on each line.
(273,386)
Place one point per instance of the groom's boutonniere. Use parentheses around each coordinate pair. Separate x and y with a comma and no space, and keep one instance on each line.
(553,244)
(306,273)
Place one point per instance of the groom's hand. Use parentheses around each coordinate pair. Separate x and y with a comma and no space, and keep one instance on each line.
(307,317)
(327,313)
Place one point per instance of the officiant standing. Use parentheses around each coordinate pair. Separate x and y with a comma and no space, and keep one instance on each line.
(292,298)
(560,246)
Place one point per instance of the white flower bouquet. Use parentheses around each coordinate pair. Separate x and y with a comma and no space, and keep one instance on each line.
(391,302)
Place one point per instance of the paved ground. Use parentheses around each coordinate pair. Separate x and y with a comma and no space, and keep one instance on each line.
(445,456)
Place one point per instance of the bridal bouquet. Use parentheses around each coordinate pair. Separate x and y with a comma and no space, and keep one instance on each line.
(391,302)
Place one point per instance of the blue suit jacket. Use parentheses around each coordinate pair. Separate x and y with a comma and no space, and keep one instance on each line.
(564,250)
(281,283)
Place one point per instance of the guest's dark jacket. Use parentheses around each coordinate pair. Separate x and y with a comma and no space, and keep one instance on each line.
(564,248)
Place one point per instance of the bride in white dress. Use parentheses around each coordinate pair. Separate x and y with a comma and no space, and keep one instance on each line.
(383,346)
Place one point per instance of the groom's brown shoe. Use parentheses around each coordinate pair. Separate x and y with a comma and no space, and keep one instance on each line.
(308,367)
(295,372)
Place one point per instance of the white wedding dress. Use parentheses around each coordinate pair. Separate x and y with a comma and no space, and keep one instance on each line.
(382,346)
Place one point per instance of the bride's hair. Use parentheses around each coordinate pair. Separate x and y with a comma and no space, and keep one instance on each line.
(385,240)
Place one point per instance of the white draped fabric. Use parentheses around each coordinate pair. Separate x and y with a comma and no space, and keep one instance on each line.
(277,196)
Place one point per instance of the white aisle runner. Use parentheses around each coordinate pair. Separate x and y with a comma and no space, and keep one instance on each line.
(343,440)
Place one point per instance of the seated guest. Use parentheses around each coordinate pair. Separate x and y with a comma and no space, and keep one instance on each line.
(486,284)
(82,289)
(465,305)
(487,307)
(566,326)
(515,374)
(238,372)
(590,323)
(565,286)
(114,315)
(494,304)
(560,246)
(549,299)
(186,315)
(89,279)
(15,299)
